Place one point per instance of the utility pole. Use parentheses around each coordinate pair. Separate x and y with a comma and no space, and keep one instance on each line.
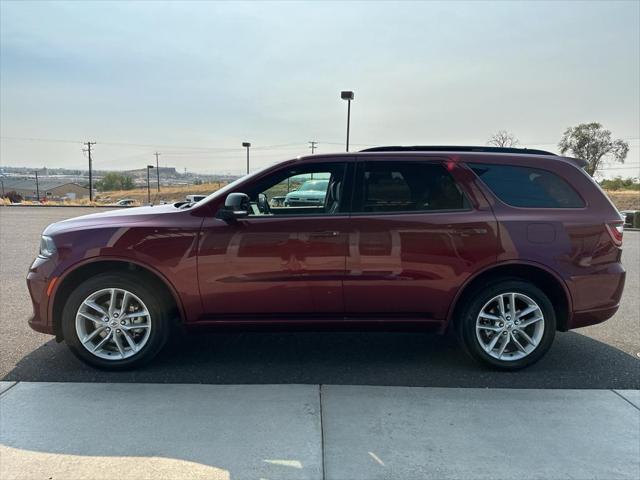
(157,169)
(88,150)
(37,188)
(313,147)
(149,167)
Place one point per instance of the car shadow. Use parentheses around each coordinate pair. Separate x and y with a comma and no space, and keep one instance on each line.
(343,358)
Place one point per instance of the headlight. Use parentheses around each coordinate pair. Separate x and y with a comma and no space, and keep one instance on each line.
(47,247)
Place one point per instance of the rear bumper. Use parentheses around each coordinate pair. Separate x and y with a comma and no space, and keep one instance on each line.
(596,296)
(592,317)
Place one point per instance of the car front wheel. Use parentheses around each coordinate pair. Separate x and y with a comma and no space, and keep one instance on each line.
(115,322)
(508,325)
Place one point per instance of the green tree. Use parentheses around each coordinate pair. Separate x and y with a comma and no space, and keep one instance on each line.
(115,181)
(620,183)
(592,143)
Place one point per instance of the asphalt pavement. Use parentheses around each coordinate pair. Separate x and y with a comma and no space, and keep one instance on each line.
(605,356)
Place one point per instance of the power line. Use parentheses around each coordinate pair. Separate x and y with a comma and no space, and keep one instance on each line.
(183,153)
(354,144)
(556,143)
(32,139)
(231,149)
(155,145)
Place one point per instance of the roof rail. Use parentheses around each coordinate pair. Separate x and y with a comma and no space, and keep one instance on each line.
(453,148)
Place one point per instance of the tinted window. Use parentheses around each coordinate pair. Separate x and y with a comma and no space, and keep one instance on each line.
(406,187)
(528,187)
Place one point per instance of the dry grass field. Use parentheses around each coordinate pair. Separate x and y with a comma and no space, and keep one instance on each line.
(167,194)
(625,199)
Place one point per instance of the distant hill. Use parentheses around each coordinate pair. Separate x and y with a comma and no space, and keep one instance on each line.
(164,171)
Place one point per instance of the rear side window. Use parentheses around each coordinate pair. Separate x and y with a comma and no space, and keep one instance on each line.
(528,187)
(406,187)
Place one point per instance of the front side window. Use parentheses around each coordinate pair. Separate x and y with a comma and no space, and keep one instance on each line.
(305,190)
(528,187)
(406,187)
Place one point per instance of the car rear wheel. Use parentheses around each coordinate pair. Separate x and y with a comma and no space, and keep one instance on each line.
(114,322)
(507,325)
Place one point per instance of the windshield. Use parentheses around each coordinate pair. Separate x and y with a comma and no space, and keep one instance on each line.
(314,185)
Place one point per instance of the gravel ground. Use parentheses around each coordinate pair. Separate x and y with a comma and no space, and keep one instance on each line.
(602,356)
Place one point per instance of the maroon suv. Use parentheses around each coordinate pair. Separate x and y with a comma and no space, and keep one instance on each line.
(503,246)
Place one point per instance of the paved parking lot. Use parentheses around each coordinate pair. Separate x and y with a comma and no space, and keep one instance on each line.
(603,356)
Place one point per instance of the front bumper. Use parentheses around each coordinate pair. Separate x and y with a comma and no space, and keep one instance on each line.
(38,280)
(303,203)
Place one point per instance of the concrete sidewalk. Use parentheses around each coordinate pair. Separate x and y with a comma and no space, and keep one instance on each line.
(140,431)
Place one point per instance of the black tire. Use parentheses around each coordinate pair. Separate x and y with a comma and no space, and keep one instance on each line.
(157,306)
(476,300)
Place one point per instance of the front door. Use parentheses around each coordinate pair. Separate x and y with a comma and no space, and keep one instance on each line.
(287,258)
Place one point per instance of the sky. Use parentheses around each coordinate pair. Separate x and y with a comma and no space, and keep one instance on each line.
(193,80)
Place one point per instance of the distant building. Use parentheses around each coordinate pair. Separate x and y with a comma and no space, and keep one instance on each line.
(49,189)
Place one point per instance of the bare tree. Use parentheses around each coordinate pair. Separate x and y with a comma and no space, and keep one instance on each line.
(592,143)
(502,138)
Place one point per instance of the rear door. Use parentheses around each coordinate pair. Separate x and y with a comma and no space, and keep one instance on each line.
(417,234)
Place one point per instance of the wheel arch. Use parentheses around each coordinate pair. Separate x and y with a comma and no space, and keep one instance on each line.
(545,279)
(78,272)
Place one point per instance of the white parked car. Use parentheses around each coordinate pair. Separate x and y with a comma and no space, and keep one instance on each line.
(125,202)
(310,193)
(194,198)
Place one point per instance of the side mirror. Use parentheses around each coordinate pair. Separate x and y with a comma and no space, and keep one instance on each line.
(236,205)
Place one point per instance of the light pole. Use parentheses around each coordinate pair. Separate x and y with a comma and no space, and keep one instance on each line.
(158,170)
(348,96)
(149,167)
(247,145)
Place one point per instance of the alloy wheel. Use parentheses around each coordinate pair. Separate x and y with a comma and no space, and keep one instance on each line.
(113,324)
(510,326)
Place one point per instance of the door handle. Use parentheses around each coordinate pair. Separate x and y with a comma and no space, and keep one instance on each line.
(327,234)
(467,231)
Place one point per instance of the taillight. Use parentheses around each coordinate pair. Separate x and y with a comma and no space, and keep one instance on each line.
(616,230)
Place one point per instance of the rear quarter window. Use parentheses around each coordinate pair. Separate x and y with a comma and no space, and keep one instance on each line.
(528,187)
